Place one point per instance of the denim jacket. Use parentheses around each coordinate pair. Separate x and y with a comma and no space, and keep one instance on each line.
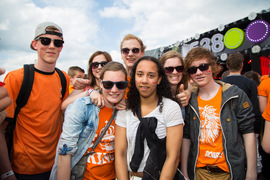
(236,119)
(79,129)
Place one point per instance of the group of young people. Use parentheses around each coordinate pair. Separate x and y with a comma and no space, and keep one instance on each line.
(141,121)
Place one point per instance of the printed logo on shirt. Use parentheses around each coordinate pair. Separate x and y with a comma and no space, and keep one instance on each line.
(105,149)
(210,125)
(214,155)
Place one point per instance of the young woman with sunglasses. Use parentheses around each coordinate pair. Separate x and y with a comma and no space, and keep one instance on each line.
(84,122)
(173,64)
(95,64)
(151,117)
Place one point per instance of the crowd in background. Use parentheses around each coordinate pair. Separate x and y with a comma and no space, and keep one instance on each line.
(164,118)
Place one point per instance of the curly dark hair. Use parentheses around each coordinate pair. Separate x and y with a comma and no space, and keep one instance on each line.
(163,88)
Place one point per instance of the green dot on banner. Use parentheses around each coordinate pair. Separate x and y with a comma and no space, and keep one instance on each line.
(234,38)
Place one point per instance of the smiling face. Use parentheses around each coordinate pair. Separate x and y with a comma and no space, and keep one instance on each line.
(147,78)
(202,78)
(130,58)
(98,58)
(114,95)
(174,77)
(47,54)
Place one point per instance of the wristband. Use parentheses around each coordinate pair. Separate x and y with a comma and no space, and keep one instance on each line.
(2,84)
(90,91)
(7,174)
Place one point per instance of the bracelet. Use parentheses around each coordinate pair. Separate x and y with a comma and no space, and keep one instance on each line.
(7,174)
(90,91)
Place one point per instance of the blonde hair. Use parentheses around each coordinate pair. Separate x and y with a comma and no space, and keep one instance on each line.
(131,36)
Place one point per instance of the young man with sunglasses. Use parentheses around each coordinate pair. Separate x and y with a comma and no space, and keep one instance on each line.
(132,49)
(84,122)
(218,133)
(38,125)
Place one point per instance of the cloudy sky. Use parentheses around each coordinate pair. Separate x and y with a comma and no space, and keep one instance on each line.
(91,25)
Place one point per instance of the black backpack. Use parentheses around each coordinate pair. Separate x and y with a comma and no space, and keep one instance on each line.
(25,91)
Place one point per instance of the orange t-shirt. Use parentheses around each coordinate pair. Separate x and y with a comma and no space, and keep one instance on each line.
(71,88)
(264,90)
(100,165)
(210,140)
(38,125)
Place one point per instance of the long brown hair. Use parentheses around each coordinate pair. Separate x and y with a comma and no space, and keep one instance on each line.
(173,54)
(91,77)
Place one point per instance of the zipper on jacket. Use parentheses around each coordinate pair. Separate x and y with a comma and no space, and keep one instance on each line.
(225,142)
(194,169)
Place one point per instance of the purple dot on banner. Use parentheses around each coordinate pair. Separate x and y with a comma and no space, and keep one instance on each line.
(257,31)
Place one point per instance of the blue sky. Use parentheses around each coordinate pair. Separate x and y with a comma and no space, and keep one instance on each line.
(91,25)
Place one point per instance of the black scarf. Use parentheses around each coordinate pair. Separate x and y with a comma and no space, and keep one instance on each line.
(146,129)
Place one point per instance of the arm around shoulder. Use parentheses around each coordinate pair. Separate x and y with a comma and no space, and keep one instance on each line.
(75,94)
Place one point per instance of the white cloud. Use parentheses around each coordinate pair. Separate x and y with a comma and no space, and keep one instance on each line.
(20,19)
(161,23)
(90,25)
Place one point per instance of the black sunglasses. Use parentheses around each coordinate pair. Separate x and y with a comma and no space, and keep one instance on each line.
(170,69)
(202,67)
(119,84)
(95,65)
(47,41)
(134,51)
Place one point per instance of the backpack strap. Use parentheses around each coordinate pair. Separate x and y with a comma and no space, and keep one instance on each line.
(63,81)
(25,91)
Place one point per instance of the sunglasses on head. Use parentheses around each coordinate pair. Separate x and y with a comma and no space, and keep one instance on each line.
(47,41)
(202,67)
(95,65)
(134,50)
(170,69)
(119,84)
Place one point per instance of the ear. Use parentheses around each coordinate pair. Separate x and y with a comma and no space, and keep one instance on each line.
(34,44)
